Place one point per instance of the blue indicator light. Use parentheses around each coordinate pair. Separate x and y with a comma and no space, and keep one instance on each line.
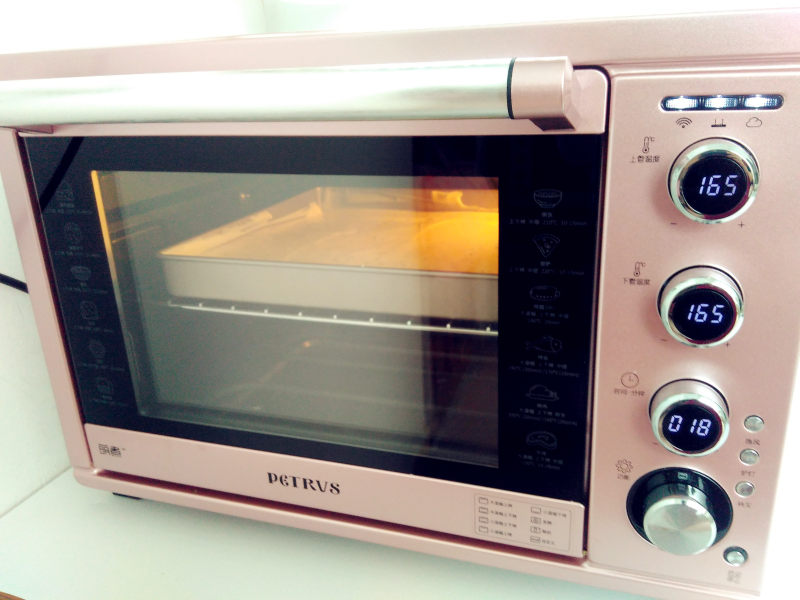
(762,102)
(722,102)
(681,103)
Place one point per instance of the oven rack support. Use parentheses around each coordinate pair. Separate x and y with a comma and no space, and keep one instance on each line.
(314,315)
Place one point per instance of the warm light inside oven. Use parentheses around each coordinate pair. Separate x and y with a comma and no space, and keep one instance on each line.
(357,311)
(418,229)
(360,247)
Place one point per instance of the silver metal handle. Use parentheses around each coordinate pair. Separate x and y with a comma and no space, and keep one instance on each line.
(537,89)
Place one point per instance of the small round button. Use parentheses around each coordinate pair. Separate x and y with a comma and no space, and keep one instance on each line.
(749,456)
(689,417)
(754,423)
(714,180)
(735,556)
(745,489)
(701,306)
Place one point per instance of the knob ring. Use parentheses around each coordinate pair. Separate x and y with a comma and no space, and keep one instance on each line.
(688,484)
(688,392)
(713,148)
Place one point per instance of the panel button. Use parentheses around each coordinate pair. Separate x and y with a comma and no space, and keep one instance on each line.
(754,423)
(745,489)
(749,456)
(735,556)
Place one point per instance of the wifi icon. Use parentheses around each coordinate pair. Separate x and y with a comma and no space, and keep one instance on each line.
(683,122)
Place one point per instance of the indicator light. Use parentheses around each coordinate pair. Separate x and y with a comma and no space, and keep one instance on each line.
(761,102)
(681,103)
(720,102)
(723,102)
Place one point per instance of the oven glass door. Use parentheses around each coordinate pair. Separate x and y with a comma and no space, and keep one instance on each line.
(422,305)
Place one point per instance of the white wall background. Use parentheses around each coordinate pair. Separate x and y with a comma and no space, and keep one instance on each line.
(48,24)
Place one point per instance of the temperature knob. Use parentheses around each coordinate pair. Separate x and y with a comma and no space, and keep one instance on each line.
(689,417)
(714,180)
(701,306)
(680,511)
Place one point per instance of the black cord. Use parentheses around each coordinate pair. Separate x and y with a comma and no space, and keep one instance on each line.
(60,172)
(44,199)
(14,283)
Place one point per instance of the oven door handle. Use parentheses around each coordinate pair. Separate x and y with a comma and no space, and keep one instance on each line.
(540,89)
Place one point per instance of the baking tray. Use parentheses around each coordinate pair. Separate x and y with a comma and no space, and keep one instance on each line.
(400,251)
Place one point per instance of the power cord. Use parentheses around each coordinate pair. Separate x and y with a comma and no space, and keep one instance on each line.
(14,283)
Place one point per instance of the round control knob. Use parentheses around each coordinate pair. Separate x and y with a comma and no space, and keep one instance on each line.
(701,306)
(689,417)
(714,180)
(680,511)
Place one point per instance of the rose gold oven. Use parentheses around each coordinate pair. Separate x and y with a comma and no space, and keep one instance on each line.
(518,295)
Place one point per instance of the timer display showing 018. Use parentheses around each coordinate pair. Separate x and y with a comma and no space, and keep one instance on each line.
(703,426)
(691,428)
(689,417)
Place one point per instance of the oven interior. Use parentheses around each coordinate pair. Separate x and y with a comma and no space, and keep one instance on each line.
(357,310)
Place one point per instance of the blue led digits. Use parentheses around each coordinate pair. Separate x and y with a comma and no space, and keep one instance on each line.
(689,417)
(714,180)
(701,306)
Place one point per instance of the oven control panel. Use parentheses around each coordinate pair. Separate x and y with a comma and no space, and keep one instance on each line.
(698,330)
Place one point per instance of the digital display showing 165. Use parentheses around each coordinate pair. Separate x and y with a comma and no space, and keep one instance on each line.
(714,185)
(702,314)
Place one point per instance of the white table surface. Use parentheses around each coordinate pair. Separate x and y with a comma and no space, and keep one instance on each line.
(69,542)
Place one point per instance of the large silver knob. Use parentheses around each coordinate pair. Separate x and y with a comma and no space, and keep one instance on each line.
(680,511)
(680,525)
(714,180)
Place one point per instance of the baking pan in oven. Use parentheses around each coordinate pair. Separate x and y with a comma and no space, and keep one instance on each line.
(430,253)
